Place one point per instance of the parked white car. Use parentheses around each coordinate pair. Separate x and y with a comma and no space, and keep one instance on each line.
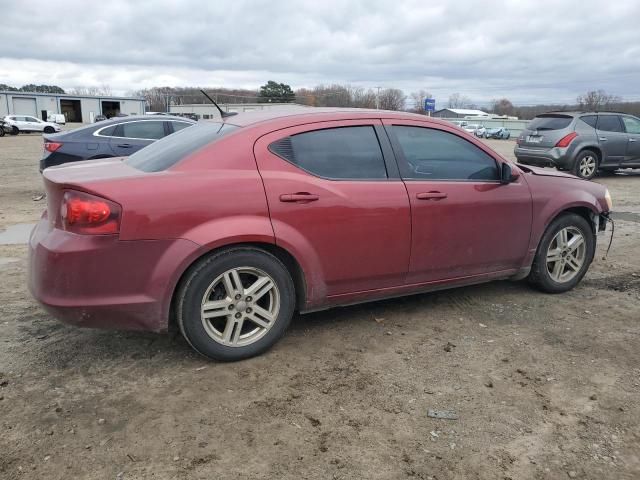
(27,123)
(471,128)
(57,118)
(481,132)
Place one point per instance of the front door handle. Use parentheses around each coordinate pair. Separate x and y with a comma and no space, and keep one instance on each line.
(632,139)
(431,195)
(602,139)
(301,197)
(125,145)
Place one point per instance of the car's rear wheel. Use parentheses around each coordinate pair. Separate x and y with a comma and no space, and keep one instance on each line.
(586,164)
(48,130)
(235,304)
(564,254)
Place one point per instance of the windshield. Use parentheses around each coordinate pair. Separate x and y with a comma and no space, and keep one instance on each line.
(550,122)
(170,150)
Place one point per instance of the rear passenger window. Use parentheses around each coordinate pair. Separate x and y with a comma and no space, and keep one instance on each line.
(609,123)
(177,126)
(107,132)
(147,130)
(335,153)
(432,154)
(590,120)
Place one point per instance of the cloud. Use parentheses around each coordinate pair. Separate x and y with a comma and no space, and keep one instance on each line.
(527,50)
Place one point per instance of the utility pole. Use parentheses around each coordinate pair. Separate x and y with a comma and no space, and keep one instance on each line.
(378,98)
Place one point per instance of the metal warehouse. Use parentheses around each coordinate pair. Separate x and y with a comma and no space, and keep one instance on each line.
(75,108)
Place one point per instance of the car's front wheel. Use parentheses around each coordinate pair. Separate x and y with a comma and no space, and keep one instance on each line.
(235,304)
(564,254)
(586,164)
(14,130)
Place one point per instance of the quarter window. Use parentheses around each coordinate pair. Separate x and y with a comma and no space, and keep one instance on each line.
(335,153)
(631,125)
(590,120)
(609,123)
(432,154)
(177,126)
(146,129)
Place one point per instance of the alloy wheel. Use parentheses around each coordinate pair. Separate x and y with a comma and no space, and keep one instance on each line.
(240,306)
(587,166)
(566,254)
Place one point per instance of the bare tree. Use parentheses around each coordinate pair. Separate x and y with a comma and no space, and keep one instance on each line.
(503,106)
(459,101)
(391,99)
(94,91)
(418,99)
(597,100)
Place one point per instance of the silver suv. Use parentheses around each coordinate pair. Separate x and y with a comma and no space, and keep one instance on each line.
(581,142)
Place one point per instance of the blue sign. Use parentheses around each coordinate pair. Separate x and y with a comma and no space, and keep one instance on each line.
(429,104)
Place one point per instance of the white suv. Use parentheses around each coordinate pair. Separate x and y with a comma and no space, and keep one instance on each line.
(26,123)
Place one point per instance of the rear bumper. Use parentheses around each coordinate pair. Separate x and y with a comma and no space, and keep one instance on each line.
(548,157)
(101,281)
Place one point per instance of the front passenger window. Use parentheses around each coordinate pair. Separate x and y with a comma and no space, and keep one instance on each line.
(632,125)
(432,154)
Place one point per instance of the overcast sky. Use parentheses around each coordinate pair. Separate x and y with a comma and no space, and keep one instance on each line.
(529,51)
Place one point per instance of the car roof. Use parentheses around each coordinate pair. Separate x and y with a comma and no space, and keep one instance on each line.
(575,113)
(299,115)
(155,118)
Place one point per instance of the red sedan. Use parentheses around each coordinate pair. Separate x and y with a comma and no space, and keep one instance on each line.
(229,228)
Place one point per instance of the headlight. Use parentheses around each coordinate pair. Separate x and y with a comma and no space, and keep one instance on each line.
(607,198)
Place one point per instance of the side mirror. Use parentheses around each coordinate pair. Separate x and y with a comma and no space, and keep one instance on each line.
(506,174)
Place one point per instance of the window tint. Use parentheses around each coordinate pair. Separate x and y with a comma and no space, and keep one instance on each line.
(590,120)
(107,132)
(436,155)
(146,129)
(609,123)
(177,126)
(550,122)
(170,150)
(631,125)
(338,153)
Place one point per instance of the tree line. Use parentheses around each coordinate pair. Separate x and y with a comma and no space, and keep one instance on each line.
(340,95)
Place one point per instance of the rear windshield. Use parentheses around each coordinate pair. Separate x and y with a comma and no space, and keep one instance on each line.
(170,150)
(550,122)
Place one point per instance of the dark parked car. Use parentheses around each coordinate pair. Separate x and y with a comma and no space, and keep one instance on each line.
(581,142)
(119,137)
(228,228)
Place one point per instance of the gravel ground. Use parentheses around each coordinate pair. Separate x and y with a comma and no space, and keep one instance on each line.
(544,387)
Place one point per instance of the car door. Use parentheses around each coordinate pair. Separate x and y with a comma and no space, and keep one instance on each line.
(612,139)
(22,124)
(129,137)
(336,199)
(632,129)
(464,221)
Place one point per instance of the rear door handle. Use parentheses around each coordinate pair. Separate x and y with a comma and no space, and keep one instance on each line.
(602,139)
(431,195)
(632,139)
(125,145)
(301,197)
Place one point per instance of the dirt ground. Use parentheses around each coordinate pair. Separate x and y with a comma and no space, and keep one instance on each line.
(544,387)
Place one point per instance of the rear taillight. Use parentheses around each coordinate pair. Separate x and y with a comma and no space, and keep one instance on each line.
(566,140)
(88,214)
(52,146)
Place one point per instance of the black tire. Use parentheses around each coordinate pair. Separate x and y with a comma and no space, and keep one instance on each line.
(196,284)
(584,158)
(48,130)
(1,131)
(540,276)
(14,131)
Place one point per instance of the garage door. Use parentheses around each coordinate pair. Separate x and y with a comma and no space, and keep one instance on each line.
(24,106)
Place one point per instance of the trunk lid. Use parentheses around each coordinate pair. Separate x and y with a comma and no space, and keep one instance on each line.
(88,176)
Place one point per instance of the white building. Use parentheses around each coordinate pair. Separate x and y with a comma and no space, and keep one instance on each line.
(75,108)
(460,113)
(209,111)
